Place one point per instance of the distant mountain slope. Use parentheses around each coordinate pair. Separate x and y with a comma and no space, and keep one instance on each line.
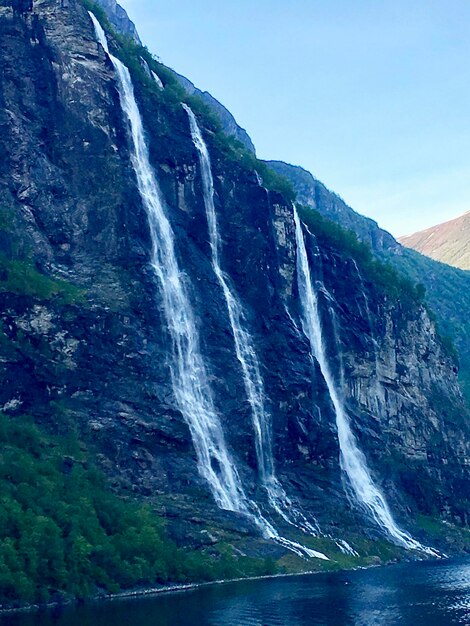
(447,288)
(448,242)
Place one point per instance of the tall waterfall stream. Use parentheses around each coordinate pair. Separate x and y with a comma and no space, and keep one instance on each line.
(353,461)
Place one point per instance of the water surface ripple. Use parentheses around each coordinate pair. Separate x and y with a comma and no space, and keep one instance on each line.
(434,593)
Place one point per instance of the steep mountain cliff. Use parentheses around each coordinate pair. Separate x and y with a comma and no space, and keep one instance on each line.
(155,303)
(447,288)
(448,242)
(226,119)
(123,25)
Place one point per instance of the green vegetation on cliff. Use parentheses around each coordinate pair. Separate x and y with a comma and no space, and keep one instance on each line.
(383,275)
(21,277)
(448,295)
(447,288)
(397,280)
(64,534)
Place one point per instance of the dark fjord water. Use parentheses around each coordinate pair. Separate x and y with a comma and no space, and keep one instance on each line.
(419,594)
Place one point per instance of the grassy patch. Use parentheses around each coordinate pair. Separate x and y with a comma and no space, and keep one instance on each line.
(453,535)
(6,220)
(369,553)
(21,277)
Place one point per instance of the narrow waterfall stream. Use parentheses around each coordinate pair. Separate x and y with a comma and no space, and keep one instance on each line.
(244,347)
(190,383)
(352,459)
(157,79)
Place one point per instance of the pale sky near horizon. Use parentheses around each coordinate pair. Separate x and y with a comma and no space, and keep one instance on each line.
(371,96)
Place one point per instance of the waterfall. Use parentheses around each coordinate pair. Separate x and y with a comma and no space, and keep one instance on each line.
(245,350)
(157,79)
(244,346)
(188,372)
(145,66)
(352,460)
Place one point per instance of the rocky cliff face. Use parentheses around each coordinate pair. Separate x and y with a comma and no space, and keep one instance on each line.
(447,288)
(228,122)
(121,22)
(83,341)
(313,193)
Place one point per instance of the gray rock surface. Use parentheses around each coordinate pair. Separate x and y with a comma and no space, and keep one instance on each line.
(313,193)
(228,122)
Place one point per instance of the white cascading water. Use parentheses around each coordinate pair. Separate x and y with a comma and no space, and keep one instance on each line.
(245,350)
(352,460)
(189,377)
(157,79)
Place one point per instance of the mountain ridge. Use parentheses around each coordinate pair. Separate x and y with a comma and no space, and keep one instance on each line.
(448,242)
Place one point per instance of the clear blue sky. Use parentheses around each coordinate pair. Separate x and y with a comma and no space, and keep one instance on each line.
(371,96)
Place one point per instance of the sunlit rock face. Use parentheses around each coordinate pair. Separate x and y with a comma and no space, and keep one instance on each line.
(90,349)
